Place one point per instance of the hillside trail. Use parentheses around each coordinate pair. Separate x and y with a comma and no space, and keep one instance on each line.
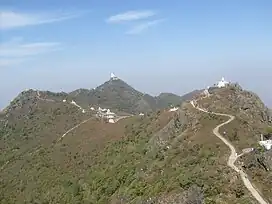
(83,110)
(71,129)
(78,106)
(43,99)
(233,156)
(68,131)
(122,117)
(76,126)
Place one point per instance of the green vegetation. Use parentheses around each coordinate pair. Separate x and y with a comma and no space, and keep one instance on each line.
(118,95)
(268,130)
(160,157)
(126,168)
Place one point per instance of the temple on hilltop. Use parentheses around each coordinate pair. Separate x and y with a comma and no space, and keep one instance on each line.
(222,83)
(113,77)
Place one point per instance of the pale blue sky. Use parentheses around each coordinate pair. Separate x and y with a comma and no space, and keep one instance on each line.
(154,45)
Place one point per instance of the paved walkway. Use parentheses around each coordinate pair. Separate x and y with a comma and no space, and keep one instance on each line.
(233,156)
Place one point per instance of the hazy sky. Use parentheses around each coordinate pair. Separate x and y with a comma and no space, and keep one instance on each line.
(154,45)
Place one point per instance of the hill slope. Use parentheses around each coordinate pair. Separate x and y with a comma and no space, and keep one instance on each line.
(252,118)
(162,157)
(119,96)
(114,94)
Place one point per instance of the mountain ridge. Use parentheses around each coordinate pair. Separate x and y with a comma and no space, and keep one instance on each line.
(114,94)
(159,157)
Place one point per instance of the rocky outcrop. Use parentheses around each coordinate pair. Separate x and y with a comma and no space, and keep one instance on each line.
(176,126)
(269,115)
(194,195)
(259,160)
(268,159)
(245,105)
(25,97)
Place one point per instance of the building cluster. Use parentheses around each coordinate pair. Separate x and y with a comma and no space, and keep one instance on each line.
(173,109)
(75,104)
(267,144)
(221,84)
(106,114)
(113,77)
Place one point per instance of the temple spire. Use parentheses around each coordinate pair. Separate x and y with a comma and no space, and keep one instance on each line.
(113,77)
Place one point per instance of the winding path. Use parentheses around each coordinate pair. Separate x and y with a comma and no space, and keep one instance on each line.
(68,131)
(233,156)
(76,126)
(71,129)
(43,99)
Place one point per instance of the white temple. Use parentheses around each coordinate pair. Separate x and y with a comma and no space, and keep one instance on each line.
(222,83)
(113,77)
(102,109)
(111,121)
(267,144)
(105,113)
(173,109)
(206,92)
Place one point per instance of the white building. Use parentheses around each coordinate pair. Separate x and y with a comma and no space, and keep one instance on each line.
(110,115)
(206,92)
(102,109)
(173,109)
(64,101)
(141,114)
(105,113)
(113,77)
(92,108)
(111,121)
(267,144)
(222,83)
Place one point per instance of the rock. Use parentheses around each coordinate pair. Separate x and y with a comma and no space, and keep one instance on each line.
(269,113)
(194,195)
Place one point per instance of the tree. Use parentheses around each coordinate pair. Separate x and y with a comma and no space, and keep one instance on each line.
(268,130)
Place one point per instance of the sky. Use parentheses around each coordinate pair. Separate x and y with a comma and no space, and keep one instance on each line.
(155,46)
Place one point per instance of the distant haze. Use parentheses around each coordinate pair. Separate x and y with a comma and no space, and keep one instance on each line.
(155,46)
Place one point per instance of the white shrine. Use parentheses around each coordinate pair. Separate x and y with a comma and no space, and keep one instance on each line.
(113,77)
(206,92)
(222,83)
(173,109)
(110,114)
(111,120)
(105,113)
(267,144)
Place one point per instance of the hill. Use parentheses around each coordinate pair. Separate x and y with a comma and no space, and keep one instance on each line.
(161,157)
(119,96)
(114,94)
(169,99)
(30,121)
(252,119)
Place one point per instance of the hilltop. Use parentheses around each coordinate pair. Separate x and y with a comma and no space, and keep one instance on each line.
(252,119)
(158,157)
(114,94)
(120,96)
